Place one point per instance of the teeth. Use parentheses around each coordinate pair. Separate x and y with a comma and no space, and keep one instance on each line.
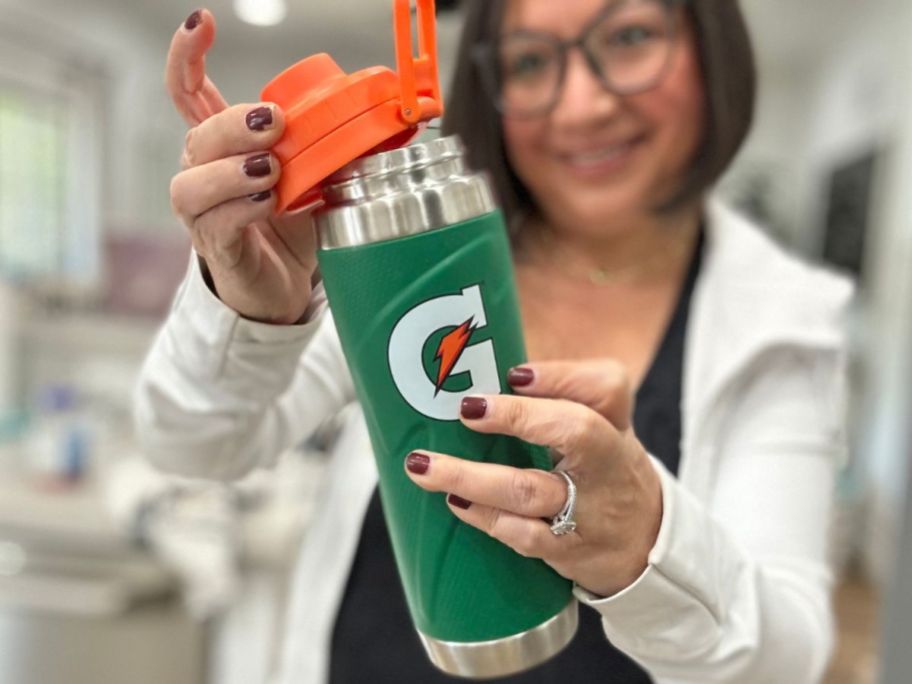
(598,156)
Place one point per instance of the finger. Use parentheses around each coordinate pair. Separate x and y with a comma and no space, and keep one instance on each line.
(524,491)
(194,95)
(572,429)
(227,235)
(200,188)
(210,94)
(239,129)
(601,384)
(529,537)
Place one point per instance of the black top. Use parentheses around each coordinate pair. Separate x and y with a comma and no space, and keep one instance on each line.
(374,639)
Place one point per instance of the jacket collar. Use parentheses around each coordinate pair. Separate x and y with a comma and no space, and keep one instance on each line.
(751,296)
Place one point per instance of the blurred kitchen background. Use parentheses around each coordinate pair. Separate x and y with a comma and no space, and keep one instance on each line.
(111,572)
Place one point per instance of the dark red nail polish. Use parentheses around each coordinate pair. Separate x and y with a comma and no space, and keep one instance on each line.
(473,408)
(260,196)
(417,463)
(193,20)
(520,376)
(259,119)
(459,502)
(258,165)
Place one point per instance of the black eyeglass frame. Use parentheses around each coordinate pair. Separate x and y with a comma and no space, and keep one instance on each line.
(487,60)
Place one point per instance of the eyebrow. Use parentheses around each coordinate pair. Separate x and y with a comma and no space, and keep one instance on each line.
(607,7)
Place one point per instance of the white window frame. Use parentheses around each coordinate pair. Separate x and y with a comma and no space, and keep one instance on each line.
(26,67)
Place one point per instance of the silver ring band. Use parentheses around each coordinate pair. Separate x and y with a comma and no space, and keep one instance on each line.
(564,522)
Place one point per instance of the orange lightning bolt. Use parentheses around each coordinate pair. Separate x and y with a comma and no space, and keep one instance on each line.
(450,349)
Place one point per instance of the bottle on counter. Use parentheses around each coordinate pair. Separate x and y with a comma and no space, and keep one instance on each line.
(59,436)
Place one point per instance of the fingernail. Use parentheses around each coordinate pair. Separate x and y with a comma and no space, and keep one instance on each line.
(520,376)
(193,20)
(258,165)
(473,408)
(417,463)
(458,501)
(260,196)
(260,119)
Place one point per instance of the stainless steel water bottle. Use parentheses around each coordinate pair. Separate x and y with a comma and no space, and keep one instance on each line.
(417,269)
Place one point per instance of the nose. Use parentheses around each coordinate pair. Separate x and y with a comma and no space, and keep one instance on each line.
(583,100)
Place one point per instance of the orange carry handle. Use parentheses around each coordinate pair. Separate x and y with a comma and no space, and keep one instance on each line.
(418,76)
(332,118)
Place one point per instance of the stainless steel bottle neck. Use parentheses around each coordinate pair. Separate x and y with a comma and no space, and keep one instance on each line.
(402,192)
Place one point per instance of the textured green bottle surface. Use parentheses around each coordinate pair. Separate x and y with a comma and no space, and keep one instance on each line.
(407,311)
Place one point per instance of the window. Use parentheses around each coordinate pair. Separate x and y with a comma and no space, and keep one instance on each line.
(32,184)
(50,181)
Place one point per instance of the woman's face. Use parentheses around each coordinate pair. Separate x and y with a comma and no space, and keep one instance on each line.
(599,159)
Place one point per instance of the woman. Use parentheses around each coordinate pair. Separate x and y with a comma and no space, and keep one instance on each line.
(684,370)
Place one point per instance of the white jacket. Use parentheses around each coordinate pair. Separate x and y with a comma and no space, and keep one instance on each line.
(737,587)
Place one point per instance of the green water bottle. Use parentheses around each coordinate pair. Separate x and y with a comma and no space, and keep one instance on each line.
(416,263)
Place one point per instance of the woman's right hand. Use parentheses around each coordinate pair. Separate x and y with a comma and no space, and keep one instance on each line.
(261,264)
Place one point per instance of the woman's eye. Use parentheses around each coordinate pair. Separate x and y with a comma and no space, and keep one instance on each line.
(527,64)
(631,36)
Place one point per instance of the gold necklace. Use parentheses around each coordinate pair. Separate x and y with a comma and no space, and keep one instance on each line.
(558,257)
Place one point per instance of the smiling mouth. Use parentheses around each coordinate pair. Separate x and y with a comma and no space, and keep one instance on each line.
(602,156)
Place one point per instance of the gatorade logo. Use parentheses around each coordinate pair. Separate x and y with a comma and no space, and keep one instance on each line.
(433,359)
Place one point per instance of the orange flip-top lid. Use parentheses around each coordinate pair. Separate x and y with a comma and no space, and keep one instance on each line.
(332,118)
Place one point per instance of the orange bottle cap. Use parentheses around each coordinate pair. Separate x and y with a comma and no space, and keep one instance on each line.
(332,118)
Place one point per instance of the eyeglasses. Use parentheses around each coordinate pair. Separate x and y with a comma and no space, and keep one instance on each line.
(628,46)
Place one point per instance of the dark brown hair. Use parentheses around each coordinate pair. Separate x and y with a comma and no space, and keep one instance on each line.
(727,63)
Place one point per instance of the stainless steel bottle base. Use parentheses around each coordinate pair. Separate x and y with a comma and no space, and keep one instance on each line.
(502,657)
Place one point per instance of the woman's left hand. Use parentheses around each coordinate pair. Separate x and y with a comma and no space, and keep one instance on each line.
(581,410)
